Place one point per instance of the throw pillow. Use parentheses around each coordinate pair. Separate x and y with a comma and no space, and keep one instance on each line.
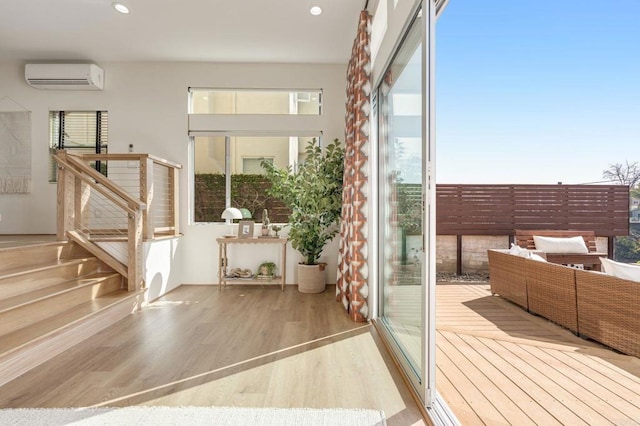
(560,245)
(537,257)
(519,251)
(621,270)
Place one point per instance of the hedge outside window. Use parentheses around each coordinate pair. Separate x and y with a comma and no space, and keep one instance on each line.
(248,182)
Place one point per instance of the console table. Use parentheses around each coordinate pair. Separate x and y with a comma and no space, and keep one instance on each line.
(223,262)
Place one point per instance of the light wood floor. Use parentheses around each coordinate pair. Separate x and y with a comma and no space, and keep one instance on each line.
(23,239)
(257,347)
(498,364)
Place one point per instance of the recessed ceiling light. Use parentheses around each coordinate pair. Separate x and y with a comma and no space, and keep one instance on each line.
(120,7)
(315,10)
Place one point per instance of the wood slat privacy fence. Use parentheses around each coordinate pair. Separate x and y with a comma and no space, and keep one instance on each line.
(499,209)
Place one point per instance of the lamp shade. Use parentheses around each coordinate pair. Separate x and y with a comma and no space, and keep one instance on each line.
(231,213)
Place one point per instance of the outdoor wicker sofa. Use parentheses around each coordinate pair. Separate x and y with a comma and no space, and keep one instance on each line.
(608,310)
(589,303)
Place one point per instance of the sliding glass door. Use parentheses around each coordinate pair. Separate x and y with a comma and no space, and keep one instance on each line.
(405,264)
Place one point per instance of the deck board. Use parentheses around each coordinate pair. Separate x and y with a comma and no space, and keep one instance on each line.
(509,393)
(498,364)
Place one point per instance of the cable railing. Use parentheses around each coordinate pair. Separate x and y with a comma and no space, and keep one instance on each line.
(152,180)
(112,215)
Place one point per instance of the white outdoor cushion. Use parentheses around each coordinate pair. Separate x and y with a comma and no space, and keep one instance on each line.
(621,270)
(560,245)
(537,257)
(516,250)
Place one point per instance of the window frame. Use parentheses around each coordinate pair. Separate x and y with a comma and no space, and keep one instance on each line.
(252,125)
(57,133)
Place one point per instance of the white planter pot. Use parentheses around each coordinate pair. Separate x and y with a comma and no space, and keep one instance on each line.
(311,278)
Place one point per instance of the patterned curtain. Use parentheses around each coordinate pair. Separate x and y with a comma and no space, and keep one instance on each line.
(352,287)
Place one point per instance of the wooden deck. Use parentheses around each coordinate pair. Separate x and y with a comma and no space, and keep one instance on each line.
(498,364)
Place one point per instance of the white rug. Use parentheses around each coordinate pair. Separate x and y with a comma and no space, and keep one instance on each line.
(186,416)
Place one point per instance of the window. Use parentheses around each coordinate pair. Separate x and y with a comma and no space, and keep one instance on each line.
(252,166)
(78,131)
(232,131)
(259,102)
(247,183)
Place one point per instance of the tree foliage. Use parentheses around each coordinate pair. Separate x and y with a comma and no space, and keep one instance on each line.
(627,249)
(625,174)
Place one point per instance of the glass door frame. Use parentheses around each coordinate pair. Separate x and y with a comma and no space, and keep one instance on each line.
(424,386)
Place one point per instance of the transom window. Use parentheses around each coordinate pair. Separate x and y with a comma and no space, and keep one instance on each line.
(240,102)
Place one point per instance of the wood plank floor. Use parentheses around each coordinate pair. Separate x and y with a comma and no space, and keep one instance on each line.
(498,364)
(243,346)
(7,240)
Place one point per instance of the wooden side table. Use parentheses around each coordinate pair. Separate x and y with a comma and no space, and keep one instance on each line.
(223,261)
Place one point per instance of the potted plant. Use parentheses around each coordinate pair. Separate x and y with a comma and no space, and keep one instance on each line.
(313,191)
(266,270)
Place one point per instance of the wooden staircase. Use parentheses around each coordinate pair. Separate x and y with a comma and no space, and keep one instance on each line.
(52,296)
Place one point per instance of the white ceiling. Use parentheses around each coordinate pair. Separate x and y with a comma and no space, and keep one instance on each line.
(178,30)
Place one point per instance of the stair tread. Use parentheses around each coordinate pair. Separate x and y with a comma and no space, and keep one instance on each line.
(30,244)
(51,290)
(17,338)
(21,270)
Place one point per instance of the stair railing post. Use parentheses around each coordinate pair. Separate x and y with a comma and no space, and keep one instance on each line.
(134,261)
(146,195)
(64,200)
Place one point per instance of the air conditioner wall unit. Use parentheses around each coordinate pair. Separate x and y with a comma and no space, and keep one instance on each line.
(65,76)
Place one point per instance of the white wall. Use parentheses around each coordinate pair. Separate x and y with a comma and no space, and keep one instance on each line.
(147,105)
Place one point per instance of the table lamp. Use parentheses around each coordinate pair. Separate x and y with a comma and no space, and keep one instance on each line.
(229,214)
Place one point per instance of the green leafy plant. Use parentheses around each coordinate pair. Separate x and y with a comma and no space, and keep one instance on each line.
(267,269)
(313,191)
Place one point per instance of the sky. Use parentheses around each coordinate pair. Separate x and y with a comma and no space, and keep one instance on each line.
(536,92)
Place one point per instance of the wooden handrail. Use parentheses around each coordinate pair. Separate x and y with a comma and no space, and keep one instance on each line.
(99,178)
(164,162)
(100,188)
(129,157)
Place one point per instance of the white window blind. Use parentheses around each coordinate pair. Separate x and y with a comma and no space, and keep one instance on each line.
(80,132)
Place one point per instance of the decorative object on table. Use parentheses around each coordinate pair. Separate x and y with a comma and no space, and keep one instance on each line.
(245,229)
(266,270)
(229,214)
(239,273)
(276,229)
(266,223)
(313,191)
